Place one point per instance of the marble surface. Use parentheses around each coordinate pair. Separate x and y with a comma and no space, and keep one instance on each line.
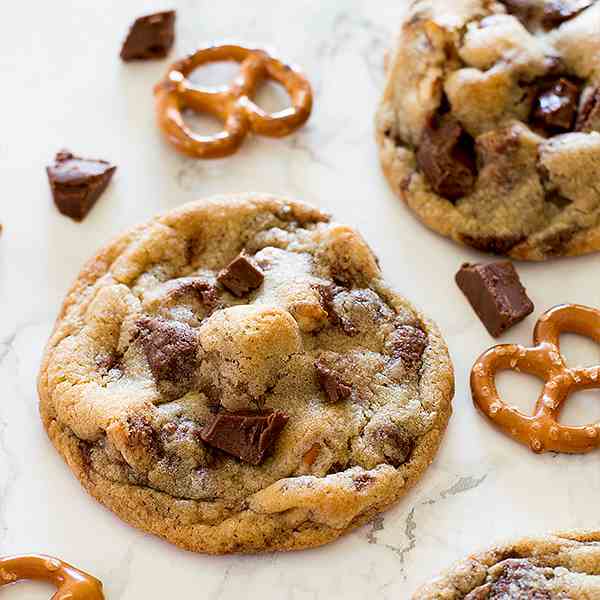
(64,86)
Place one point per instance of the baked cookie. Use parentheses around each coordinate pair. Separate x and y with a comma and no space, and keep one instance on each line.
(489,124)
(564,566)
(236,376)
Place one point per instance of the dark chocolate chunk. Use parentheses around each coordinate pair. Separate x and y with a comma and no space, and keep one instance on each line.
(241,276)
(588,118)
(555,107)
(396,445)
(204,291)
(495,293)
(170,349)
(519,578)
(559,11)
(151,36)
(408,343)
(327,293)
(494,244)
(77,183)
(447,158)
(245,435)
(334,387)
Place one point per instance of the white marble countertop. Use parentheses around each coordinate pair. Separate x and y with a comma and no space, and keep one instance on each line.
(64,86)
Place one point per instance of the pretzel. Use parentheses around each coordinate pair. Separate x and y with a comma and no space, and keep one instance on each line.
(542,431)
(233,104)
(71,583)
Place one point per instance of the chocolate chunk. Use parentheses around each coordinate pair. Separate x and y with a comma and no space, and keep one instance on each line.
(495,244)
(396,445)
(588,118)
(327,293)
(77,183)
(447,158)
(241,276)
(518,579)
(245,435)
(334,387)
(204,291)
(495,293)
(149,37)
(555,107)
(408,343)
(170,349)
(559,11)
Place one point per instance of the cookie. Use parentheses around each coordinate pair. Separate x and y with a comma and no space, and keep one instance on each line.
(489,124)
(236,376)
(555,567)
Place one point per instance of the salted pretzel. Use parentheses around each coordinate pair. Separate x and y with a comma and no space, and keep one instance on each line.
(230,104)
(71,583)
(542,431)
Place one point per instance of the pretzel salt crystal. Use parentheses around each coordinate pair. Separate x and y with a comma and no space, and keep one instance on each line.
(542,431)
(71,583)
(232,105)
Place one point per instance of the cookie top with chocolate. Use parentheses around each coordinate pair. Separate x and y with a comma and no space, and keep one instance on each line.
(236,375)
(489,125)
(565,566)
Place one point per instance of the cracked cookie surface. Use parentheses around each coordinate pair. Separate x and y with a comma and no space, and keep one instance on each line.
(565,566)
(489,123)
(236,376)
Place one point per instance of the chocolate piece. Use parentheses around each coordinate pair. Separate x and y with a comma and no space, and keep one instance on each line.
(408,343)
(205,292)
(245,435)
(327,293)
(395,444)
(558,11)
(170,349)
(151,36)
(588,118)
(493,244)
(241,276)
(335,389)
(556,106)
(495,293)
(77,183)
(519,578)
(447,158)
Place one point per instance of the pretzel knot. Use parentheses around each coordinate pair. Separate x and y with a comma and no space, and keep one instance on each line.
(232,105)
(542,431)
(71,583)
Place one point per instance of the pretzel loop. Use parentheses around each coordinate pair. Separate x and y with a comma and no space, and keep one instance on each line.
(542,431)
(231,104)
(71,583)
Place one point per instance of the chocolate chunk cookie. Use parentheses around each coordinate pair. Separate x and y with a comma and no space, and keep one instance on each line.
(564,566)
(236,376)
(489,125)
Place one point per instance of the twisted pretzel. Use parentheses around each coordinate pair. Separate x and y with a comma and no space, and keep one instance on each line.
(541,431)
(71,583)
(233,104)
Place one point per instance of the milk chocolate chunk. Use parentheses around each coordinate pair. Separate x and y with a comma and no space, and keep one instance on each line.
(241,275)
(334,387)
(408,343)
(170,348)
(495,293)
(77,183)
(556,106)
(588,118)
(151,36)
(447,158)
(557,12)
(246,435)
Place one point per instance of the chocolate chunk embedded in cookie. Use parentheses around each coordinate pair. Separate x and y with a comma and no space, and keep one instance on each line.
(210,383)
(556,567)
(477,93)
